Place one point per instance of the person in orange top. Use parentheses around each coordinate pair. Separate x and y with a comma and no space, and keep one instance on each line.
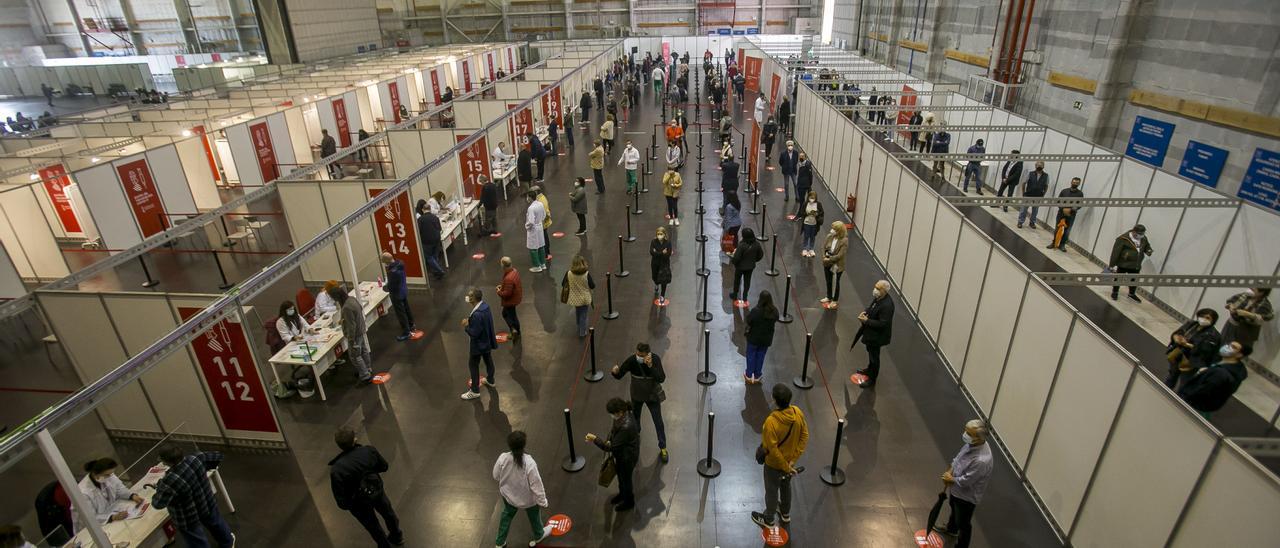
(674,131)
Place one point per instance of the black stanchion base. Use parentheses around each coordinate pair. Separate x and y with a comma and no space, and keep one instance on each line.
(832,476)
(622,274)
(704,316)
(630,239)
(706,378)
(708,468)
(574,465)
(701,210)
(802,382)
(754,212)
(786,318)
(638,211)
(595,375)
(771,273)
(613,315)
(153,283)
(703,272)
(762,238)
(701,238)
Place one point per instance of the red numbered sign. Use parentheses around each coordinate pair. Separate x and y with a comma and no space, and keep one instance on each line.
(394,92)
(489,58)
(774,83)
(551,105)
(140,188)
(466,75)
(435,84)
(232,376)
(521,124)
(55,184)
(264,150)
(511,59)
(340,117)
(395,232)
(474,162)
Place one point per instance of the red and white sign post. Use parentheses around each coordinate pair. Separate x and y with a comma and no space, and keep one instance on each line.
(473,162)
(264,150)
(394,93)
(143,197)
(231,374)
(395,227)
(340,118)
(520,125)
(55,184)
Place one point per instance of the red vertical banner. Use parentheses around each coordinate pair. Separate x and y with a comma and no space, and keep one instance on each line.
(227,365)
(557,107)
(751,72)
(511,59)
(394,92)
(180,60)
(143,196)
(394,224)
(473,162)
(551,105)
(753,173)
(435,84)
(773,92)
(264,150)
(492,74)
(742,54)
(340,118)
(666,51)
(466,76)
(217,57)
(55,184)
(906,105)
(208,151)
(520,125)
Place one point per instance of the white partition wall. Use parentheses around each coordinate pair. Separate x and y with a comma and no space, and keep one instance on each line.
(27,235)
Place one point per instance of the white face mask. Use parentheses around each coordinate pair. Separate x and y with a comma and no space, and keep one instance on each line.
(968,440)
(1226,351)
(467,300)
(875,293)
(1204,322)
(662,236)
(789,147)
(290,312)
(815,200)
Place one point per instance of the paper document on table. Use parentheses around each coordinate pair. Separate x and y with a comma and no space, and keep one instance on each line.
(136,512)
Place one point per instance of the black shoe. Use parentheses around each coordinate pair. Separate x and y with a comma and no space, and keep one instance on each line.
(761,520)
(397,541)
(615,499)
(861,371)
(624,507)
(1134,298)
(733,296)
(868,384)
(1049,246)
(1115,296)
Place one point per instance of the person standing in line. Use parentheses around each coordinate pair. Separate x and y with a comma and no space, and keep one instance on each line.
(624,445)
(578,204)
(47,91)
(1036,185)
(630,161)
(916,120)
(784,115)
(553,136)
(362,154)
(876,330)
(1126,257)
(355,476)
(1209,389)
(788,162)
(585,105)
(611,108)
(546,223)
(761,107)
(575,290)
(533,235)
(675,157)
(353,330)
(731,221)
(596,157)
(973,169)
(539,154)
(728,177)
(810,218)
(329,147)
(1246,312)
(941,144)
(966,481)
(398,287)
(430,231)
(745,257)
(524,166)
(783,439)
(1010,174)
(768,135)
(804,181)
(671,184)
(759,334)
(511,292)
(184,491)
(833,254)
(674,131)
(607,133)
(521,488)
(598,85)
(479,328)
(1066,216)
(568,126)
(489,201)
(625,102)
(647,376)
(1192,346)
(660,264)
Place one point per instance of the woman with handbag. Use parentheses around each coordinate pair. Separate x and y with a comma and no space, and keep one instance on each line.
(575,291)
(1192,346)
(521,488)
(660,265)
(731,215)
(647,376)
(623,447)
(833,253)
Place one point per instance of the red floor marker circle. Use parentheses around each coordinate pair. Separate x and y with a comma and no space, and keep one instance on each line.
(502,336)
(478,256)
(416,334)
(662,302)
(556,235)
(791,217)
(779,189)
(848,226)
(381,378)
(775,536)
(828,305)
(560,525)
(770,168)
(859,378)
(741,304)
(928,539)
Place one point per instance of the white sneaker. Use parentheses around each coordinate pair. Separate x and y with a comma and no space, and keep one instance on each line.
(677,221)
(824,300)
(469,395)
(546,532)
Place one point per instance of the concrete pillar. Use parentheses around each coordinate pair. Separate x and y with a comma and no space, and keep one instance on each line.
(568,18)
(126,9)
(84,38)
(1115,76)
(937,54)
(277,37)
(895,32)
(187,21)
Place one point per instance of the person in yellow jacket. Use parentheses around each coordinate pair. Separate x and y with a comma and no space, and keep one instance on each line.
(783,440)
(671,183)
(597,165)
(546,223)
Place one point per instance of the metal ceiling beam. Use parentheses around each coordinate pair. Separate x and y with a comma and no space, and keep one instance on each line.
(1030,157)
(1000,201)
(1157,280)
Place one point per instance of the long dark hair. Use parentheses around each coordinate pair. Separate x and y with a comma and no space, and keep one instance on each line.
(732,199)
(765,302)
(617,405)
(99,466)
(515,442)
(293,320)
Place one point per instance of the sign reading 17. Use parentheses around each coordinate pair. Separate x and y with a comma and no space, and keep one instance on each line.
(226,385)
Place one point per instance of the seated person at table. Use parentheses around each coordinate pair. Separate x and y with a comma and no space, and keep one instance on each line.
(325,303)
(291,325)
(103,489)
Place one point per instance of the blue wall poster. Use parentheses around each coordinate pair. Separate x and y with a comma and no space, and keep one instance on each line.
(1149,140)
(1203,163)
(1261,183)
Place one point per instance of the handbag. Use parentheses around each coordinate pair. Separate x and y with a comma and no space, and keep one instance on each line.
(761,453)
(608,471)
(564,289)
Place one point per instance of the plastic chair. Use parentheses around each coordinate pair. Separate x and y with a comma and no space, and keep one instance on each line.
(304,301)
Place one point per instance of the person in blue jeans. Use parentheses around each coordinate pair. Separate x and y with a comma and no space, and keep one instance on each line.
(974,167)
(184,491)
(759,332)
(810,220)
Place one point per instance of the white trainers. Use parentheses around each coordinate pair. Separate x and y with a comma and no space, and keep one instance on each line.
(469,395)
(824,300)
(677,221)
(546,532)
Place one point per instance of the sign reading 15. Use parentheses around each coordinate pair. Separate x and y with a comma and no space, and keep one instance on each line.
(227,385)
(474,168)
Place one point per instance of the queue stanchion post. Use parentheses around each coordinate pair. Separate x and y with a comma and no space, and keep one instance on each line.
(705,316)
(622,260)
(833,475)
(786,301)
(611,314)
(755,201)
(773,258)
(594,375)
(221,274)
(631,238)
(803,381)
(574,462)
(764,216)
(147,272)
(636,196)
(653,143)
(703,271)
(700,187)
(710,467)
(702,232)
(706,377)
(644,179)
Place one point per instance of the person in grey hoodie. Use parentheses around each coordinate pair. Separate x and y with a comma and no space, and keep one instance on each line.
(353,329)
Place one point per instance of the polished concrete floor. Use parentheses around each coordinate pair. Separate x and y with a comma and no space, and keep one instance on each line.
(899,437)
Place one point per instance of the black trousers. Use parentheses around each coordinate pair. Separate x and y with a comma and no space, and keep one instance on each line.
(626,481)
(367,514)
(513,321)
(474,365)
(742,278)
(655,412)
(1133,290)
(961,520)
(599,176)
(582,222)
(873,361)
(403,313)
(833,284)
(542,162)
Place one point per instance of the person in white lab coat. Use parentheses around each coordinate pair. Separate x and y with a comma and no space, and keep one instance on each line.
(324,303)
(291,325)
(103,489)
(762,107)
(500,153)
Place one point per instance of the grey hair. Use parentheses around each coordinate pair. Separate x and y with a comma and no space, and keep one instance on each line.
(978,427)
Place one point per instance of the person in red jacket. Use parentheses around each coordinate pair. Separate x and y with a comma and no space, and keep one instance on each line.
(511,293)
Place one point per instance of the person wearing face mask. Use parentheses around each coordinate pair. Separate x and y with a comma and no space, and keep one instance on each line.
(578,204)
(647,376)
(623,445)
(748,253)
(784,115)
(431,232)
(1246,312)
(675,156)
(479,328)
(783,439)
(759,334)
(804,181)
(575,290)
(660,265)
(966,481)
(941,144)
(103,490)
(291,325)
(1066,216)
(729,176)
(630,161)
(833,253)
(810,219)
(1126,257)
(1210,388)
(353,330)
(731,222)
(534,215)
(596,160)
(671,185)
(1192,346)
(916,119)
(768,136)
(876,330)
(1010,174)
(398,287)
(788,162)
(973,169)
(1036,185)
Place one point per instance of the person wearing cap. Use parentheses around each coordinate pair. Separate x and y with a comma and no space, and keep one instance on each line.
(974,167)
(1126,257)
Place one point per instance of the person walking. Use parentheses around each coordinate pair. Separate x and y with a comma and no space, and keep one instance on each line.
(671,184)
(1209,389)
(1126,257)
(833,254)
(511,292)
(768,136)
(630,161)
(623,445)
(479,328)
(575,290)
(789,162)
(966,481)
(430,231)
(329,147)
(596,157)
(1246,312)
(973,169)
(1066,216)
(759,334)
(398,287)
(783,439)
(731,222)
(355,476)
(607,133)
(489,201)
(810,217)
(647,376)
(353,330)
(1193,345)
(521,488)
(534,238)
(660,265)
(748,253)
(578,204)
(804,181)
(185,492)
(1036,185)
(1010,174)
(876,330)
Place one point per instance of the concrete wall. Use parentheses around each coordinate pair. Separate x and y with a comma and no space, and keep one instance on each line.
(329,28)
(15,31)
(152,24)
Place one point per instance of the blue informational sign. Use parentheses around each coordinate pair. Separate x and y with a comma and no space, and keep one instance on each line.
(1261,183)
(724,32)
(753,30)
(1149,140)
(738,32)
(1203,163)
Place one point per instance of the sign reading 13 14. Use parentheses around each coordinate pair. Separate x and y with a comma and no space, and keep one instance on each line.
(394,226)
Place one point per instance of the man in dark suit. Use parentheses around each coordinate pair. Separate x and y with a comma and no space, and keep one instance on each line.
(788,161)
(876,330)
(355,476)
(479,327)
(430,231)
(397,286)
(1036,186)
(489,200)
(1010,174)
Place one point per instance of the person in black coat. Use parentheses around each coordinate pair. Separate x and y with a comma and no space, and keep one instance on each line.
(876,330)
(759,333)
(660,265)
(729,176)
(647,376)
(1210,388)
(538,152)
(430,231)
(598,84)
(770,134)
(804,182)
(1192,346)
(624,445)
(916,120)
(744,261)
(784,114)
(355,476)
(1066,216)
(489,201)
(585,105)
(479,328)
(1010,176)
(524,166)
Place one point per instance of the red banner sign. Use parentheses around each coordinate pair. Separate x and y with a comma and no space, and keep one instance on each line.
(466,76)
(264,150)
(521,124)
(232,376)
(395,224)
(394,92)
(666,52)
(774,83)
(435,84)
(182,61)
(208,151)
(906,106)
(751,72)
(753,172)
(340,118)
(511,59)
(55,183)
(473,162)
(492,73)
(143,197)
(551,106)
(217,57)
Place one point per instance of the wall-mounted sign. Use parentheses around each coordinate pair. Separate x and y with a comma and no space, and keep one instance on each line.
(1261,183)
(1149,140)
(1202,163)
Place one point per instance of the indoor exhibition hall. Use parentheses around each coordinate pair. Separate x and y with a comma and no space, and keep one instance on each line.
(499,273)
